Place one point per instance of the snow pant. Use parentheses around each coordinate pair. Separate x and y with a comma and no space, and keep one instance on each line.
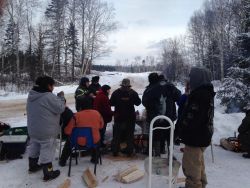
(194,167)
(102,133)
(42,149)
(123,130)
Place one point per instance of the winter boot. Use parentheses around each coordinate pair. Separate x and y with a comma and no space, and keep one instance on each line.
(33,165)
(246,155)
(48,172)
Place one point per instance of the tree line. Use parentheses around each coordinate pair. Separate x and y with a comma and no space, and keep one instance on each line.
(218,38)
(63,43)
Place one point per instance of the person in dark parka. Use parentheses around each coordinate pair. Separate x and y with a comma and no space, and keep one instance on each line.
(159,98)
(196,127)
(124,99)
(82,92)
(66,116)
(95,86)
(244,134)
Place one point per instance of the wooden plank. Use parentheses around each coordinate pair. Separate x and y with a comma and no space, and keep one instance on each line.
(133,176)
(104,179)
(65,184)
(181,180)
(89,178)
(125,172)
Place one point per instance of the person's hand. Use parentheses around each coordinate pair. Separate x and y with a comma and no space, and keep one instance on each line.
(60,94)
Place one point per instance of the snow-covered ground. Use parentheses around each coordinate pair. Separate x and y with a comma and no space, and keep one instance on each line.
(230,170)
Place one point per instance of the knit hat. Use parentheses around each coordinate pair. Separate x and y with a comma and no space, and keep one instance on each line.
(44,81)
(95,79)
(83,81)
(153,78)
(125,82)
(105,88)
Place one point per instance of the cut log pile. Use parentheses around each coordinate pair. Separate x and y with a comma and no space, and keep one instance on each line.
(130,175)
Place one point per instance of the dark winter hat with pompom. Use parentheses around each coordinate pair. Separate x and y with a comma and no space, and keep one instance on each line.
(105,88)
(83,81)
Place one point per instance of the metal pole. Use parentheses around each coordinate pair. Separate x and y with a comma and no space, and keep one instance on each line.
(212,152)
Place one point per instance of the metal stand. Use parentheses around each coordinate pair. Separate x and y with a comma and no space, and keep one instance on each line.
(171,127)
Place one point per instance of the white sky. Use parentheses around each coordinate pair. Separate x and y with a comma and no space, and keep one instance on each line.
(145,22)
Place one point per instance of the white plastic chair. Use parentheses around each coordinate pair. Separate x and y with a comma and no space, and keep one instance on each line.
(171,127)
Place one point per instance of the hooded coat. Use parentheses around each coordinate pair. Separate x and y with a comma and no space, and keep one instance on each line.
(244,132)
(196,121)
(43,114)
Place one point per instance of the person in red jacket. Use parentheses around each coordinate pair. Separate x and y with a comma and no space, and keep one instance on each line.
(102,105)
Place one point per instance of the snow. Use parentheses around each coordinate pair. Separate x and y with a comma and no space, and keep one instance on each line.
(229,170)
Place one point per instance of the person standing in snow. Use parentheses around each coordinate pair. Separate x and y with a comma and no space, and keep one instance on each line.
(82,92)
(102,105)
(95,86)
(159,98)
(43,116)
(196,127)
(124,99)
(244,134)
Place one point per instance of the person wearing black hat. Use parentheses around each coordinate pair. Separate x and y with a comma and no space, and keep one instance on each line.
(82,92)
(124,99)
(43,115)
(102,105)
(159,98)
(95,86)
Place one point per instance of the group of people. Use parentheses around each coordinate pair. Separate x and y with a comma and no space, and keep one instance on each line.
(93,106)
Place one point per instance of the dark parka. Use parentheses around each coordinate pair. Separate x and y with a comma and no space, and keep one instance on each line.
(152,96)
(196,121)
(152,100)
(124,99)
(244,132)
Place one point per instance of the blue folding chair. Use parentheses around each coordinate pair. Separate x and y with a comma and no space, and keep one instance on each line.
(83,132)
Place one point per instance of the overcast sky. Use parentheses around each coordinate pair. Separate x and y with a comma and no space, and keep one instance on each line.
(145,22)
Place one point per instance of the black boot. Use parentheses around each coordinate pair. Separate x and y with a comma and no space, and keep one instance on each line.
(48,172)
(33,165)
(246,155)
